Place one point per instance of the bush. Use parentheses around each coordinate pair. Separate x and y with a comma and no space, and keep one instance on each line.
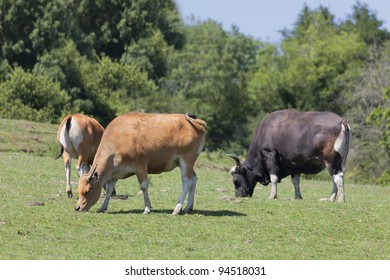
(32,97)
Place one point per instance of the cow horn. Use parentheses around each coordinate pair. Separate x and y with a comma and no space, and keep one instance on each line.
(236,159)
(92,173)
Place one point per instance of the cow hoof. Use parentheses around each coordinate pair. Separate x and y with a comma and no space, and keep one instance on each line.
(187,210)
(324,200)
(70,194)
(101,210)
(273,197)
(146,211)
(177,209)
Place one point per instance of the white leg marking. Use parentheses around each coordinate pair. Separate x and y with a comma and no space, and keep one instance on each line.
(186,183)
(274,182)
(82,171)
(109,187)
(338,180)
(338,189)
(144,188)
(67,174)
(191,195)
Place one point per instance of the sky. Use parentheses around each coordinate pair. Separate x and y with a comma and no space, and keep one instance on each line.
(263,19)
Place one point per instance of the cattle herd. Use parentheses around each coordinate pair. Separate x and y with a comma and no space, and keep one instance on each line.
(285,143)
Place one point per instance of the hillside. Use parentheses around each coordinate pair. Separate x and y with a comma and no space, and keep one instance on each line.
(26,136)
(21,136)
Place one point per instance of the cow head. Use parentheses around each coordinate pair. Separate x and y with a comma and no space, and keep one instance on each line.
(244,179)
(89,191)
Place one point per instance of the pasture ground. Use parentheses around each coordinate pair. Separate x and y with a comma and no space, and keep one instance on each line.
(37,220)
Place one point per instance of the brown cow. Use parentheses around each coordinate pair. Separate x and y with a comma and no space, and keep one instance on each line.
(141,144)
(78,136)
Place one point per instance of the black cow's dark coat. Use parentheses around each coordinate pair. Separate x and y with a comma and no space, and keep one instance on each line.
(290,143)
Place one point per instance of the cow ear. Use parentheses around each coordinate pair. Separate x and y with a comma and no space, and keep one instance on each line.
(93,176)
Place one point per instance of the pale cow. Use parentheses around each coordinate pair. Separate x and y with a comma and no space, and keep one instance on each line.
(78,136)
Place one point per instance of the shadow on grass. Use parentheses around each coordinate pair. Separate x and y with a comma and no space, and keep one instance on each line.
(210,213)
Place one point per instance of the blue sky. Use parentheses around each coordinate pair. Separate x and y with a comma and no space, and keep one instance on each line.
(262,19)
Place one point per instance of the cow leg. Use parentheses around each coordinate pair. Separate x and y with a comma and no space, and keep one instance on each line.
(109,187)
(191,194)
(338,187)
(142,176)
(186,184)
(67,164)
(144,188)
(82,167)
(274,182)
(187,177)
(295,178)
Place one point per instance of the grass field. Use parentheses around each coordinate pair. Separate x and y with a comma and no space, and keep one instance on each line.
(37,220)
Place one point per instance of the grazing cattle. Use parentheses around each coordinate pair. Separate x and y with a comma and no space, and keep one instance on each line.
(141,144)
(287,143)
(78,136)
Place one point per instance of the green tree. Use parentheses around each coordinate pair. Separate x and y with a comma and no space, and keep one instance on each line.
(33,97)
(121,87)
(380,117)
(209,77)
(314,69)
(65,40)
(130,27)
(364,22)
(29,28)
(68,67)
(370,156)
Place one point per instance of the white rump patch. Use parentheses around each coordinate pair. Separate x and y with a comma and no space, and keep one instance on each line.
(340,145)
(75,134)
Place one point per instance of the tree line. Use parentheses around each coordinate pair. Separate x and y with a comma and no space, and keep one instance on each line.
(107,57)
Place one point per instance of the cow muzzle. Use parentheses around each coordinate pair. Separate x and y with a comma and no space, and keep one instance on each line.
(242,193)
(79,209)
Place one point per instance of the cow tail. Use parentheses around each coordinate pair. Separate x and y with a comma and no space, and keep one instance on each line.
(61,152)
(198,123)
(348,138)
(66,137)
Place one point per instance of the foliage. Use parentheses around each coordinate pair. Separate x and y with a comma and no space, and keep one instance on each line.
(122,87)
(105,57)
(380,116)
(370,156)
(34,97)
(210,76)
(365,23)
(313,68)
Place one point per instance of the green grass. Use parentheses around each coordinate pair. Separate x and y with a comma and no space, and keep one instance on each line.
(37,220)
(30,137)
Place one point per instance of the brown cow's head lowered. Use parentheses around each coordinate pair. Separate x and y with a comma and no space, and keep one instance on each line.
(89,191)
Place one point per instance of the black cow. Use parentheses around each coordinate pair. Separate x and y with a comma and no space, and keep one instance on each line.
(287,143)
